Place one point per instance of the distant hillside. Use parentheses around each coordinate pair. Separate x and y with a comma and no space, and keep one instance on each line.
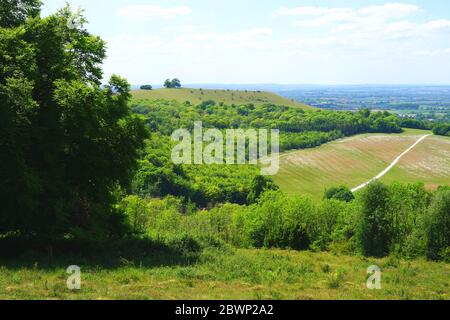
(355,160)
(229,97)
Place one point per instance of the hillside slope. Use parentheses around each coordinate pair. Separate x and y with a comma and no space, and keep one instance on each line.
(355,160)
(196,96)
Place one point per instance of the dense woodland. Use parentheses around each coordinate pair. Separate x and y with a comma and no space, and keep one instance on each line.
(206,186)
(82,161)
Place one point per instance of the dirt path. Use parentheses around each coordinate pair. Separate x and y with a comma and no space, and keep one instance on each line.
(392,165)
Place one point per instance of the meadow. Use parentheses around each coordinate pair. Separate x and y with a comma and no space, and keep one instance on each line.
(228,97)
(355,160)
(234,274)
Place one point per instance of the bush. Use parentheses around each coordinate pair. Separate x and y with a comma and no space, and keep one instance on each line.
(206,104)
(280,221)
(136,212)
(341,193)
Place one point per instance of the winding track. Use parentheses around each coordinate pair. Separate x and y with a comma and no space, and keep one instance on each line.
(392,165)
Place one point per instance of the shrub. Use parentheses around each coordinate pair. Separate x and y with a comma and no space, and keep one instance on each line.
(280,221)
(136,212)
(341,193)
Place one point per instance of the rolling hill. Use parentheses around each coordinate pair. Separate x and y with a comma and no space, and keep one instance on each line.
(355,160)
(196,96)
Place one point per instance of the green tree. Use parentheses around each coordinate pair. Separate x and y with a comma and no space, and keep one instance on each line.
(442,129)
(168,84)
(341,193)
(66,143)
(260,184)
(172,84)
(146,87)
(375,222)
(14,12)
(438,227)
(176,83)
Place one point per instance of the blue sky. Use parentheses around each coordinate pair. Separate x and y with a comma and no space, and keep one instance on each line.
(266,41)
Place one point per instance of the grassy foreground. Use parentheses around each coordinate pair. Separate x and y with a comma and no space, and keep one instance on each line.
(236,274)
(228,97)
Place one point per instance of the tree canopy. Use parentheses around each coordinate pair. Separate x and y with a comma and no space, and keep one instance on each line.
(146,87)
(172,84)
(66,143)
(15,12)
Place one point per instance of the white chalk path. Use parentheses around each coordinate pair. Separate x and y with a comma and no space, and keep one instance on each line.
(392,164)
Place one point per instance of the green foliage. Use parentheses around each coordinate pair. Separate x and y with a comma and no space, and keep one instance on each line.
(172,84)
(204,185)
(15,12)
(299,128)
(438,227)
(415,124)
(397,220)
(146,87)
(375,225)
(135,208)
(442,129)
(67,144)
(205,104)
(341,193)
(260,184)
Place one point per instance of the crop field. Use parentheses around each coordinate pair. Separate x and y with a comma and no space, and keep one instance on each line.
(197,96)
(355,160)
(428,162)
(236,274)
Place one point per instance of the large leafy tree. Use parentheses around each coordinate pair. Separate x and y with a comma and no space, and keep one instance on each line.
(15,12)
(67,143)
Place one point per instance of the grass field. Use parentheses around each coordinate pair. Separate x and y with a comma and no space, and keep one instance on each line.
(428,162)
(236,274)
(196,96)
(355,160)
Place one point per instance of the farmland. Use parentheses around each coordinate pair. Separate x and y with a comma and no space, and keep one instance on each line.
(355,160)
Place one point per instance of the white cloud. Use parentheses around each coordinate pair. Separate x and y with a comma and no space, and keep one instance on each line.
(125,46)
(389,11)
(145,12)
(325,17)
(437,24)
(431,53)
(370,26)
(309,11)
(328,44)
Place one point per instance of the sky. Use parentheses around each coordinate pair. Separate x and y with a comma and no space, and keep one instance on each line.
(266,41)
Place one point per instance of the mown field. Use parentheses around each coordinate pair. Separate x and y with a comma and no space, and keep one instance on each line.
(355,160)
(229,97)
(428,162)
(235,274)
